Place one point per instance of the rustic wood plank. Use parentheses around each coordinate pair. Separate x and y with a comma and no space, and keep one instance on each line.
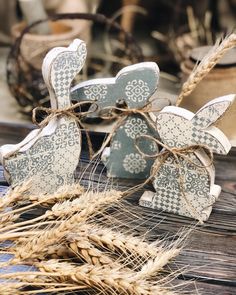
(209,251)
(203,288)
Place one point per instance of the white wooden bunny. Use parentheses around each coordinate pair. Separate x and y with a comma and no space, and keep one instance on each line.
(49,155)
(179,128)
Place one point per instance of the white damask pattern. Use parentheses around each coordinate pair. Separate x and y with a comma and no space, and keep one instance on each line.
(153,146)
(135,127)
(137,90)
(96,92)
(116,145)
(134,163)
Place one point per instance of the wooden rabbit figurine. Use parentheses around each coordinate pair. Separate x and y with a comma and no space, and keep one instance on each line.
(130,89)
(132,86)
(179,128)
(48,156)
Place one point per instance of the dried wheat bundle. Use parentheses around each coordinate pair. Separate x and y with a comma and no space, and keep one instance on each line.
(10,288)
(40,242)
(116,241)
(109,279)
(64,193)
(74,250)
(59,210)
(104,238)
(14,195)
(205,66)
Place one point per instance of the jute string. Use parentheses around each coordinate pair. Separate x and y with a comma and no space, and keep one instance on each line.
(177,153)
(121,114)
(67,112)
(206,65)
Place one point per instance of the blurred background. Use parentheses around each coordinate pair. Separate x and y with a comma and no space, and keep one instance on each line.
(172,33)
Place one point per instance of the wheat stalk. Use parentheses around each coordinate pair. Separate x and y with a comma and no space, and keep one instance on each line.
(63,193)
(85,250)
(205,66)
(109,239)
(111,280)
(59,210)
(92,255)
(157,258)
(155,265)
(39,243)
(8,220)
(14,195)
(10,288)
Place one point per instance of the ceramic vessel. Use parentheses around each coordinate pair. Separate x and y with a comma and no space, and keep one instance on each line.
(34,47)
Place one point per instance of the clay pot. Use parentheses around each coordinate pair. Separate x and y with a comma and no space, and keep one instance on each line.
(220,81)
(34,47)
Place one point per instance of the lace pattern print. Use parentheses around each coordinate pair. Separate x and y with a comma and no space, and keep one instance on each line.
(50,157)
(185,185)
(96,92)
(137,90)
(133,85)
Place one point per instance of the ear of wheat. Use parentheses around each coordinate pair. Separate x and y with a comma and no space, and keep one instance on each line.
(108,239)
(14,195)
(64,192)
(39,244)
(108,261)
(90,254)
(110,280)
(206,65)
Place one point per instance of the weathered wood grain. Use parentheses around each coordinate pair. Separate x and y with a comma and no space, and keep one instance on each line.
(209,253)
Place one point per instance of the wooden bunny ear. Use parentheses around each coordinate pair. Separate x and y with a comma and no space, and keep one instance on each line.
(99,90)
(133,85)
(212,111)
(60,67)
(138,82)
(213,138)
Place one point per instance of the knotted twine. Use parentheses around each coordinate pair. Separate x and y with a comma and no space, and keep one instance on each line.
(68,112)
(121,115)
(161,157)
(177,153)
(55,113)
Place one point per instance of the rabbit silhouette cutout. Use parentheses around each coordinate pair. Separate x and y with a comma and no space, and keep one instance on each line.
(136,84)
(49,156)
(132,88)
(180,128)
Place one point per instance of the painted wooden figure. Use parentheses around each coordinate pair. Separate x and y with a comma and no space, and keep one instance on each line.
(131,89)
(48,156)
(197,192)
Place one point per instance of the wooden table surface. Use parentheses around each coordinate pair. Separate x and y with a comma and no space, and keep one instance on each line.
(209,254)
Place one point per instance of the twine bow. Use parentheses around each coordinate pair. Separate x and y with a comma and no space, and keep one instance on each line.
(69,112)
(121,114)
(177,153)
